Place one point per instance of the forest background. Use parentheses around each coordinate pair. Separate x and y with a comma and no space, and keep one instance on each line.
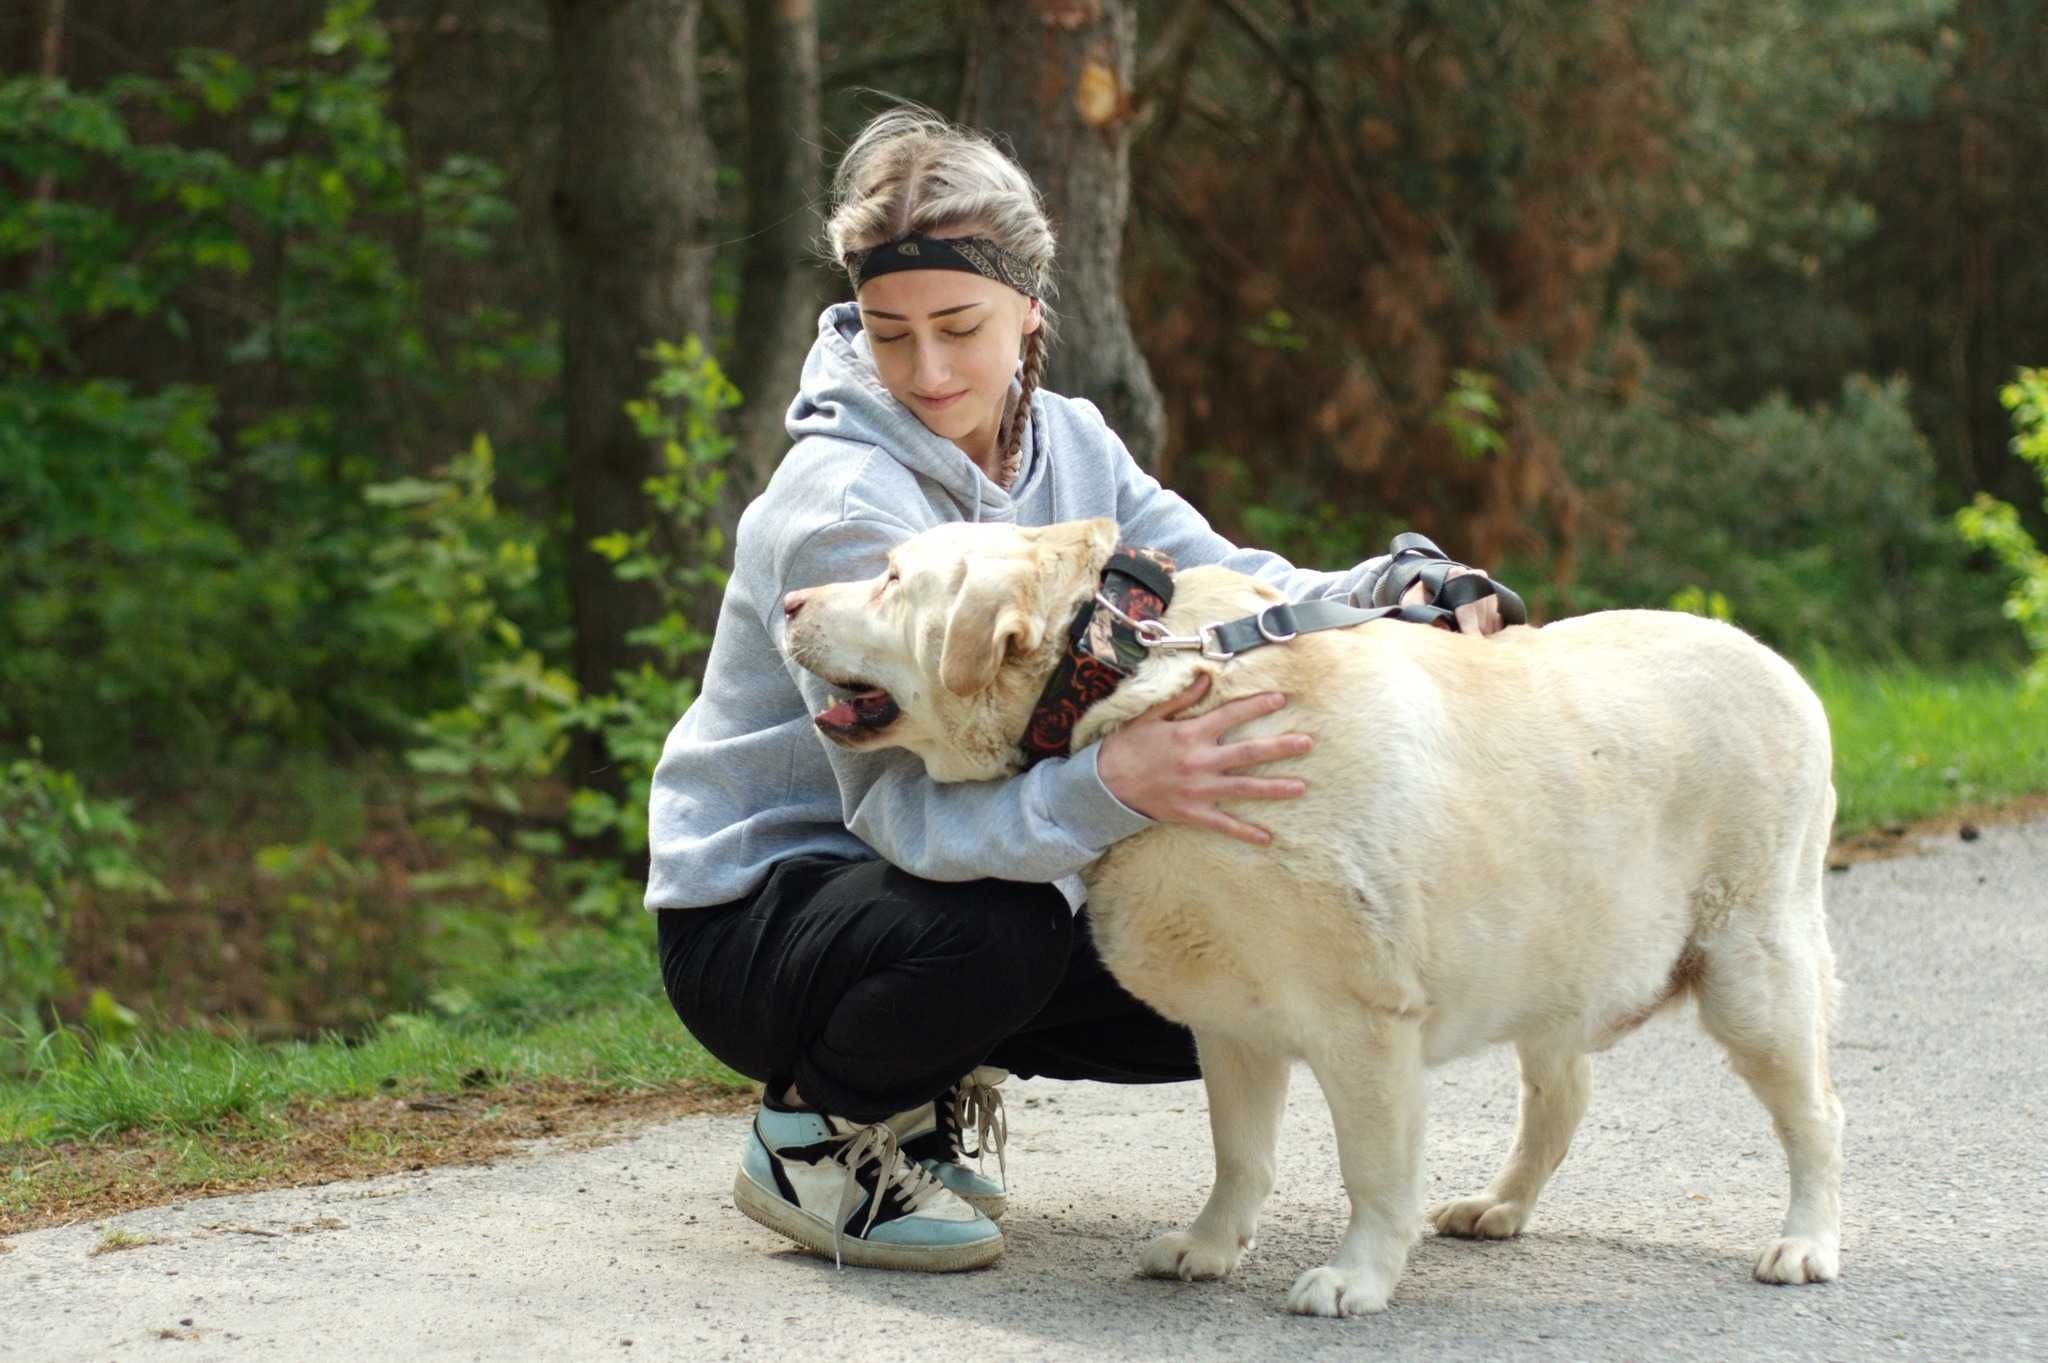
(380,382)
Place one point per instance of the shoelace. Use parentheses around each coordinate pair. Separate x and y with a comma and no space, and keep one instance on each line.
(980,1106)
(878,1142)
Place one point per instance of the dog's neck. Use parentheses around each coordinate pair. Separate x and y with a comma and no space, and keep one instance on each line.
(1102,648)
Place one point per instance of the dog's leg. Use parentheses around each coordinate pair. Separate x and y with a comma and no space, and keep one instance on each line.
(1769,1001)
(1371,1073)
(1247,1088)
(1554,1092)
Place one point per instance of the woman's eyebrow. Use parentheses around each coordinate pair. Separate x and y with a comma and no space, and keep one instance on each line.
(899,317)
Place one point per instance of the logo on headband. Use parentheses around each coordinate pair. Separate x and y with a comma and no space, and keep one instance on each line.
(972,255)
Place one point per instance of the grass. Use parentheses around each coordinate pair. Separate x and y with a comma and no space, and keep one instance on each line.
(556,1047)
(1910,743)
(598,1021)
(87,1125)
(115,1240)
(193,1083)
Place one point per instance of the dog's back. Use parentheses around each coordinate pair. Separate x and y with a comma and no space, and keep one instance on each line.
(1522,832)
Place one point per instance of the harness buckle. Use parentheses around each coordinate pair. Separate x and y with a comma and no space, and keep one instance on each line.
(1212,644)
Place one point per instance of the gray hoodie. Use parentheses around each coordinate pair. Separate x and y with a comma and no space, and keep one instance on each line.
(745,779)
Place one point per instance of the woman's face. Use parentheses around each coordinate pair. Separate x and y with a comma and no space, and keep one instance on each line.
(946,344)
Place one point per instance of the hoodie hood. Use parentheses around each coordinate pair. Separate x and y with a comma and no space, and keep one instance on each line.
(841,396)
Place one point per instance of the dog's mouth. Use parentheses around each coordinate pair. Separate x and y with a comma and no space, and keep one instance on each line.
(866,710)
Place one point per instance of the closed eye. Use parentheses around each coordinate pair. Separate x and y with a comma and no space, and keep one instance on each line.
(956,335)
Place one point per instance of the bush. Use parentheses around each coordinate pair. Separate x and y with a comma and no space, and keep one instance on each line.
(1819,527)
(181,563)
(1995,525)
(54,839)
(514,842)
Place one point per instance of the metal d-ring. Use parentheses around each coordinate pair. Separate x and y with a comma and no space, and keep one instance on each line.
(1268,635)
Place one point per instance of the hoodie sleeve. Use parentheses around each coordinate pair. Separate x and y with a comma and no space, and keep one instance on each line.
(1159,518)
(1042,825)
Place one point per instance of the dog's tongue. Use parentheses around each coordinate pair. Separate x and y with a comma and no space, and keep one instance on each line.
(869,707)
(839,715)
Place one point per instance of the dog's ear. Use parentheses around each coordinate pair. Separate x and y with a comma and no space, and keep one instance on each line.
(994,617)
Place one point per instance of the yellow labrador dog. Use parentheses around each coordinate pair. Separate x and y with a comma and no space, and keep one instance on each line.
(1541,838)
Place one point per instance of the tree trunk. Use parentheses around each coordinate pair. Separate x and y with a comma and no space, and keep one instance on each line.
(49,65)
(1054,76)
(632,208)
(780,288)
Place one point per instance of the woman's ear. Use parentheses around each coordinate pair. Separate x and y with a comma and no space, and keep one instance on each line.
(1034,315)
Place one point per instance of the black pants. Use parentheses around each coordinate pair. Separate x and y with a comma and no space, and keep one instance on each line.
(873,991)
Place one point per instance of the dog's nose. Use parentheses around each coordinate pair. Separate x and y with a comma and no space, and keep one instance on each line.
(791,604)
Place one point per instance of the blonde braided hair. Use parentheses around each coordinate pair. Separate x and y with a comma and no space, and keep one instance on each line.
(1011,446)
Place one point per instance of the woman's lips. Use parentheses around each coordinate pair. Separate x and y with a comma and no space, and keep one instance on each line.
(937,404)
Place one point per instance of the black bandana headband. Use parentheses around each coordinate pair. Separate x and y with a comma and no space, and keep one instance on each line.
(975,255)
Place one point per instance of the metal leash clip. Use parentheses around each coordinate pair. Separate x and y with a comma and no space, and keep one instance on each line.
(1153,634)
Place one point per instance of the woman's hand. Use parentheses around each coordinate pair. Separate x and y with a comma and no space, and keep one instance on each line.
(1175,770)
(1474,617)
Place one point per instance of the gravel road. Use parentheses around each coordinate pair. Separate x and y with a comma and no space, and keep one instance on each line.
(1641,1247)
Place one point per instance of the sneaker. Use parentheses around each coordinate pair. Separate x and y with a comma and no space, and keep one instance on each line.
(933,1135)
(845,1189)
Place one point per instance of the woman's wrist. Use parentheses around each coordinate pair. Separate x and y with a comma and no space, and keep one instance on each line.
(1119,813)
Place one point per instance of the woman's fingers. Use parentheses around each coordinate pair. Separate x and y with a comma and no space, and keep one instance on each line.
(1173,705)
(1252,751)
(1480,617)
(1215,818)
(1243,710)
(1262,788)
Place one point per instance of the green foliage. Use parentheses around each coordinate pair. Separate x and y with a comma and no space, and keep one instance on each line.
(1291,515)
(1697,601)
(181,565)
(591,1015)
(1772,105)
(1991,524)
(514,841)
(1910,743)
(1819,528)
(1470,414)
(55,839)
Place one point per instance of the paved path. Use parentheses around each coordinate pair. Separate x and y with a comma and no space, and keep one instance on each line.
(1641,1248)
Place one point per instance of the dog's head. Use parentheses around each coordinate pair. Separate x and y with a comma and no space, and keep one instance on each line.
(946,651)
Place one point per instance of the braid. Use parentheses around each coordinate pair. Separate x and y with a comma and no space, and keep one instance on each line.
(1013,438)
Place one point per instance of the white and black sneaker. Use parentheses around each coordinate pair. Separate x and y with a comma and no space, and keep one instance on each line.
(845,1189)
(935,1136)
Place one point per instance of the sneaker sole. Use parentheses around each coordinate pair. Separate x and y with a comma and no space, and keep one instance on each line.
(771,1211)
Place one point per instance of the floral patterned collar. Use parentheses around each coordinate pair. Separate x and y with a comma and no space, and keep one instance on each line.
(1101,649)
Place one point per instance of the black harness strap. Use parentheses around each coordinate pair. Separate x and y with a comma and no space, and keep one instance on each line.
(1417,559)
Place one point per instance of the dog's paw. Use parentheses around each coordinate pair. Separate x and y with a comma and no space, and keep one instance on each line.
(1178,1254)
(1331,1291)
(1479,1218)
(1799,1259)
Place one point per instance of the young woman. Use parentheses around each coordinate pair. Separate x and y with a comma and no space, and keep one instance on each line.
(876,948)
